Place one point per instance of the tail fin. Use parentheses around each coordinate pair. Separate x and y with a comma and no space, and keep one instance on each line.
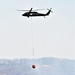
(49,11)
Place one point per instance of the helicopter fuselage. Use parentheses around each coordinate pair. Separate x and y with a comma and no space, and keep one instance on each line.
(33,14)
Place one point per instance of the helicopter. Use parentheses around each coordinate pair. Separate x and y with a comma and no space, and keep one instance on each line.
(32,13)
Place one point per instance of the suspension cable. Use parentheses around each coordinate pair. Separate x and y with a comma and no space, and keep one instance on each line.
(32,38)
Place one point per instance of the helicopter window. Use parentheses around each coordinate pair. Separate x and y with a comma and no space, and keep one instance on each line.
(31,13)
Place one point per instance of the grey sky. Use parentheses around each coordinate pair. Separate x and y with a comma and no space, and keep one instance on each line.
(53,35)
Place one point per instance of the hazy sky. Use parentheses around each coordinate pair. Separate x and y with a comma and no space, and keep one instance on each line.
(53,36)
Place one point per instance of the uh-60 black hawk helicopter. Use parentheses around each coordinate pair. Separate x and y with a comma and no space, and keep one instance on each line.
(32,13)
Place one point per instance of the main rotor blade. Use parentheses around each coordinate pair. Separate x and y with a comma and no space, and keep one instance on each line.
(37,9)
(22,10)
(31,9)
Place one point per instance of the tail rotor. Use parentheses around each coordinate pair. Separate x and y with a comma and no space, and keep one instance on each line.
(50,10)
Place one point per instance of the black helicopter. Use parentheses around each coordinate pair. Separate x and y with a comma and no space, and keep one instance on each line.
(32,13)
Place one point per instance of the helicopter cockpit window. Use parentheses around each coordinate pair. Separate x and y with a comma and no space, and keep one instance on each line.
(31,13)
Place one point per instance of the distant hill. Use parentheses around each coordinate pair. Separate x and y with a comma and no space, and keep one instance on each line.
(45,66)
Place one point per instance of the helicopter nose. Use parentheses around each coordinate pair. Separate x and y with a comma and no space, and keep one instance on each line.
(23,14)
